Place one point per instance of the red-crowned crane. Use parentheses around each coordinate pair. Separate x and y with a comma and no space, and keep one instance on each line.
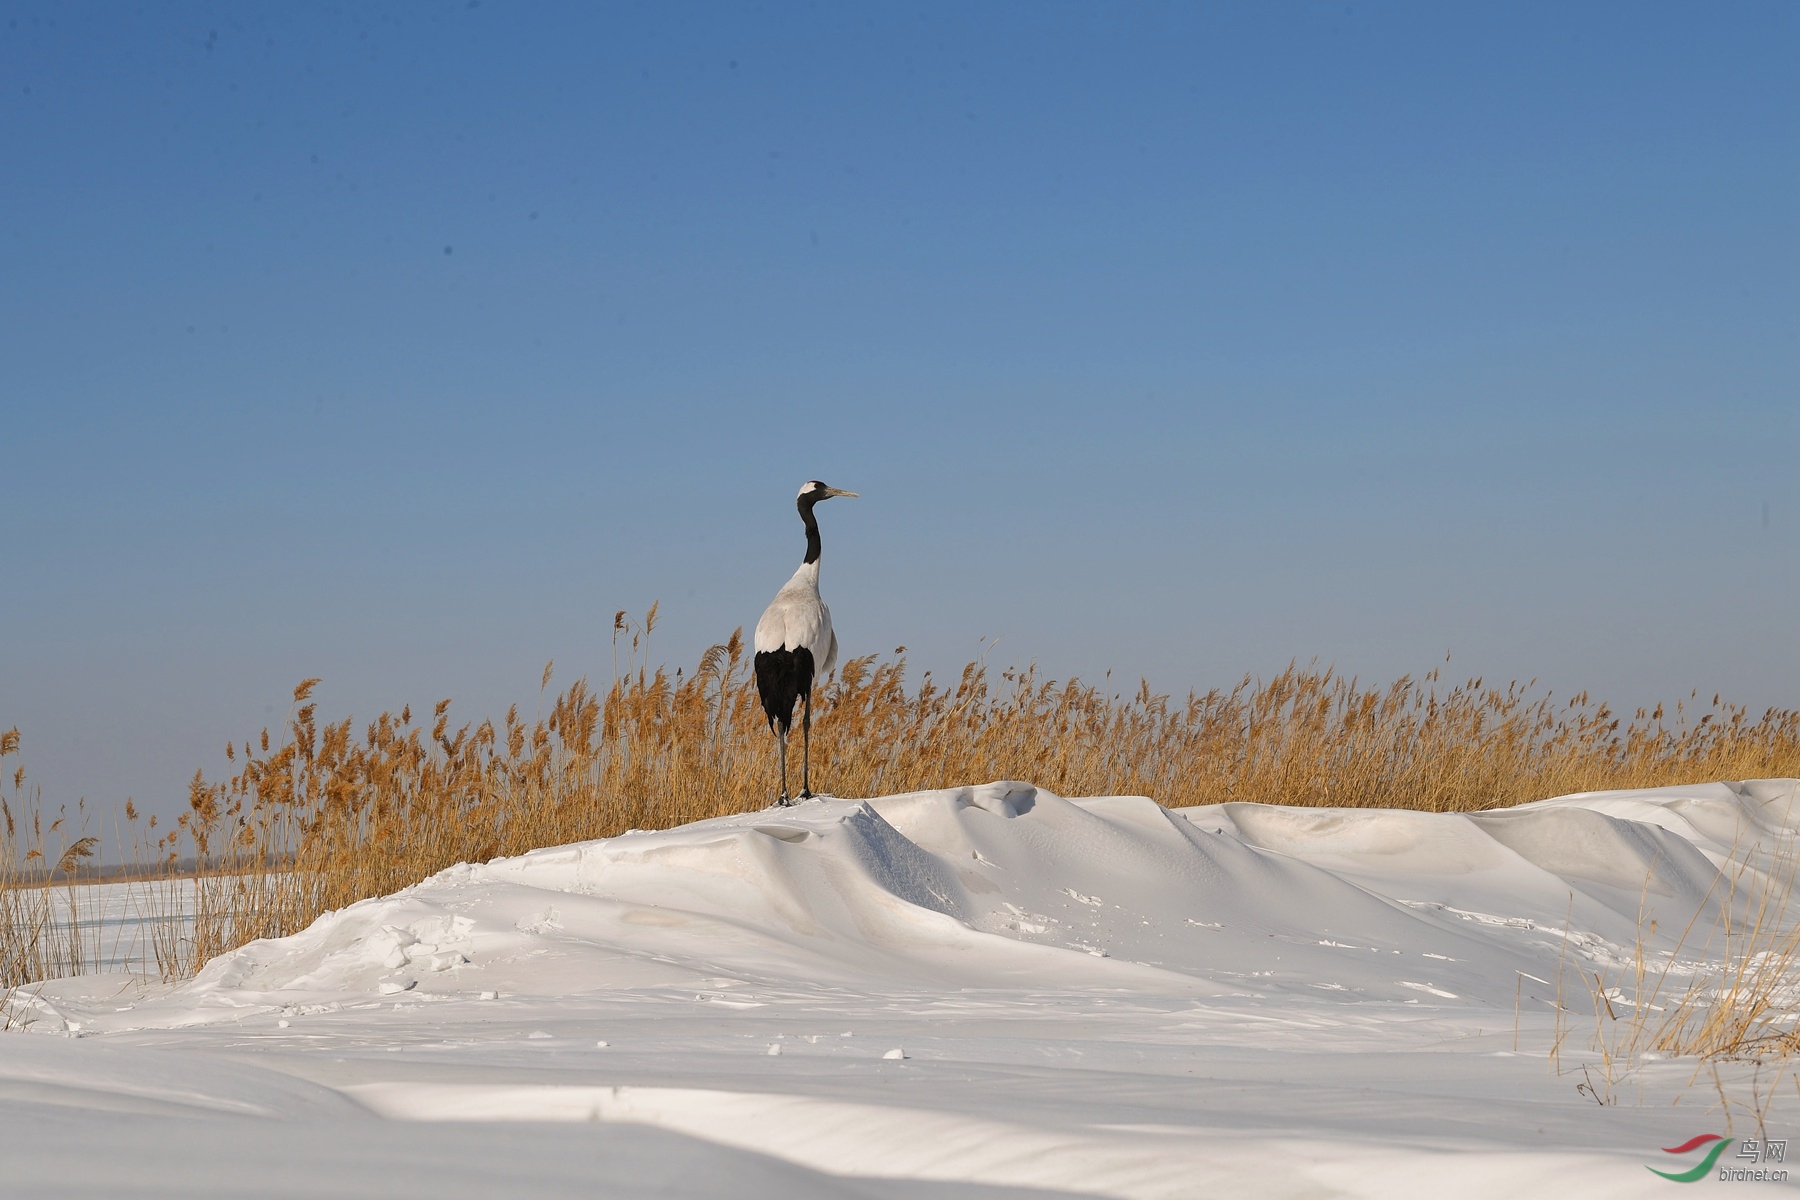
(795,644)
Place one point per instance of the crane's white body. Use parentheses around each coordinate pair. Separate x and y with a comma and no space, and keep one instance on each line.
(798,617)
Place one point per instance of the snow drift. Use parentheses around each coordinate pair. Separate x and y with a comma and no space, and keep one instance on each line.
(1008,886)
(991,987)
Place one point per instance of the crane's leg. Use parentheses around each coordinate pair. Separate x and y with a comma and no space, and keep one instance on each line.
(806,749)
(781,739)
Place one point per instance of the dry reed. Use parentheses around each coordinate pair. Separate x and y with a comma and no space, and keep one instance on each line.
(321,814)
(41,935)
(1726,989)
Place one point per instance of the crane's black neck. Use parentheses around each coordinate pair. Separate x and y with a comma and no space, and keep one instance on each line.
(812,528)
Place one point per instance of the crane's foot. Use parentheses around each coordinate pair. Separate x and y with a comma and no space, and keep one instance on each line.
(808,794)
(783,802)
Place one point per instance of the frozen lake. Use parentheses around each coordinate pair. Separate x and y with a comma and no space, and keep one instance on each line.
(121,921)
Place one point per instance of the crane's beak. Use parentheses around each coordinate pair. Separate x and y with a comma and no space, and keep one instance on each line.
(831,491)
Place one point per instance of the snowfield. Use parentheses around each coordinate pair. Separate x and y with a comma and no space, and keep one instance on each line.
(986,991)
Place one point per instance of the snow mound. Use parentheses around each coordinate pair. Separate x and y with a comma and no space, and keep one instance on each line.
(962,992)
(1008,886)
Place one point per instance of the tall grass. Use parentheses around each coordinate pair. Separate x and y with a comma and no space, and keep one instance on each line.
(320,813)
(1726,989)
(41,935)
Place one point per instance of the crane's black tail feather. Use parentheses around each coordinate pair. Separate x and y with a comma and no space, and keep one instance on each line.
(782,678)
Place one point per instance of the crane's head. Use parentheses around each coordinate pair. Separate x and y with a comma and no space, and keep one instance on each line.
(813,491)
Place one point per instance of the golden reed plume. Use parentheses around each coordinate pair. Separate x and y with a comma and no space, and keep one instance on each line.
(323,814)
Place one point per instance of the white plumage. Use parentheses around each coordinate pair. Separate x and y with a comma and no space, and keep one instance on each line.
(799,617)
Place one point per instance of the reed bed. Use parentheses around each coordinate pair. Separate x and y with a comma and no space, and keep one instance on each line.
(319,814)
(41,935)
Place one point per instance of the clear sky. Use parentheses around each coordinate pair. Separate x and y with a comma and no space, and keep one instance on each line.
(401,345)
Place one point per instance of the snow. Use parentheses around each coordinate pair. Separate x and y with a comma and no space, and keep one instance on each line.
(117,920)
(981,991)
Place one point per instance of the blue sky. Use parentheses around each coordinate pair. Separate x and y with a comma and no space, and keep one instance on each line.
(402,347)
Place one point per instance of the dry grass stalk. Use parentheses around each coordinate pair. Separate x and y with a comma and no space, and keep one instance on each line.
(1735,995)
(324,817)
(41,935)
(323,814)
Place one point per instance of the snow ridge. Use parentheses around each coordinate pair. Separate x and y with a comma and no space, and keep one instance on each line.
(1008,885)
